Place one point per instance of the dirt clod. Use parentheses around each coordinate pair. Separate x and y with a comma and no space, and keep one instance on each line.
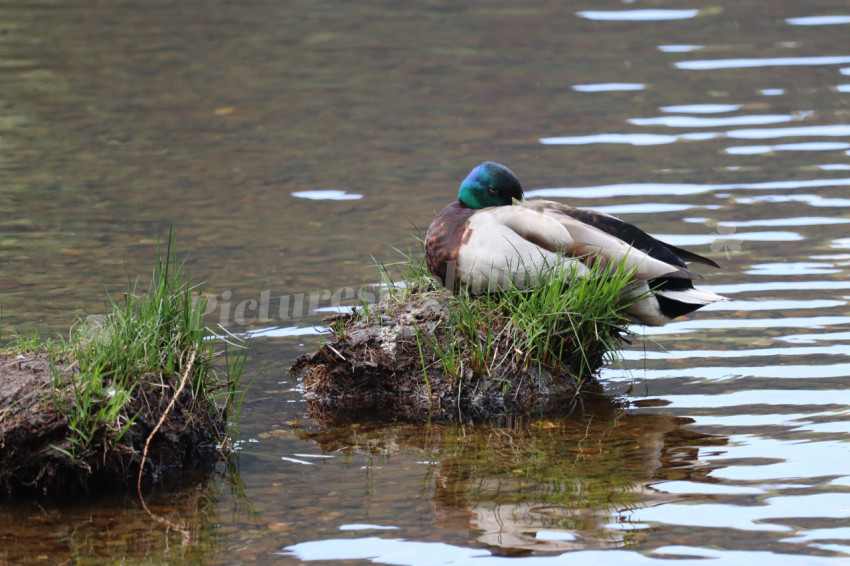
(372,367)
(34,433)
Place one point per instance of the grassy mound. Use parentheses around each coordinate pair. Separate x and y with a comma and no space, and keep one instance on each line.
(75,414)
(424,352)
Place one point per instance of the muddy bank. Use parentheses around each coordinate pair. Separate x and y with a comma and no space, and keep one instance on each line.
(416,360)
(36,420)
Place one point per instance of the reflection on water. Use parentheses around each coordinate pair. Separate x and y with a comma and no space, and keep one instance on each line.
(767,62)
(393,551)
(289,143)
(828,130)
(699,122)
(326,195)
(679,48)
(542,485)
(818,20)
(607,87)
(702,108)
(692,122)
(638,15)
(805,146)
(678,189)
(108,528)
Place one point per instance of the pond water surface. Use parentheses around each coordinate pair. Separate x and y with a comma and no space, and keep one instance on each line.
(289,142)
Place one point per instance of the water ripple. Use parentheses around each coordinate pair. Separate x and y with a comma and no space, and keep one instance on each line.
(693,487)
(608,87)
(793,184)
(365,527)
(818,20)
(679,48)
(280,332)
(713,64)
(835,350)
(695,122)
(682,189)
(830,130)
(706,239)
(807,146)
(721,324)
(647,208)
(797,221)
(770,399)
(810,338)
(739,373)
(632,139)
(638,15)
(811,200)
(702,108)
(749,518)
(414,553)
(838,533)
(327,195)
(777,286)
(831,458)
(792,268)
(773,304)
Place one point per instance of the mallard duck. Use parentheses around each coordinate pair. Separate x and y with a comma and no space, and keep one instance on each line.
(493,238)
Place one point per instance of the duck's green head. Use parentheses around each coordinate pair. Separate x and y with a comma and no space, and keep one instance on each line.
(490,184)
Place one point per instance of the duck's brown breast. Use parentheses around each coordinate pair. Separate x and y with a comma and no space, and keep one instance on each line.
(446,234)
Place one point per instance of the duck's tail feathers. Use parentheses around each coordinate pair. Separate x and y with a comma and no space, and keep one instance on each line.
(692,257)
(692,296)
(668,304)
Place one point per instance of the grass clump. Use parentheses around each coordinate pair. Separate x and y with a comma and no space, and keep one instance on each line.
(560,321)
(91,401)
(473,355)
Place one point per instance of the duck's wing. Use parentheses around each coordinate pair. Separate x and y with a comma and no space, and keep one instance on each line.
(627,233)
(553,230)
(689,256)
(630,233)
(532,225)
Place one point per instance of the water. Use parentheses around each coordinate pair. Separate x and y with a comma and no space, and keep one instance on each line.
(287,143)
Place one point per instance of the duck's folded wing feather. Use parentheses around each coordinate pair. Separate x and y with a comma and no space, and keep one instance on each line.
(533,226)
(589,241)
(691,256)
(624,231)
(645,267)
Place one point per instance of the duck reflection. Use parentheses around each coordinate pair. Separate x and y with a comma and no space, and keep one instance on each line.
(532,485)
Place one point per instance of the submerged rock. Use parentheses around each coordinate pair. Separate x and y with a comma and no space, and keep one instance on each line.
(416,359)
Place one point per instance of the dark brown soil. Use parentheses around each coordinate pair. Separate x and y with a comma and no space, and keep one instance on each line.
(372,368)
(32,432)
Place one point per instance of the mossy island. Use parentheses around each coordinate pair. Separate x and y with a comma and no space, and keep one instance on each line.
(140,383)
(427,353)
